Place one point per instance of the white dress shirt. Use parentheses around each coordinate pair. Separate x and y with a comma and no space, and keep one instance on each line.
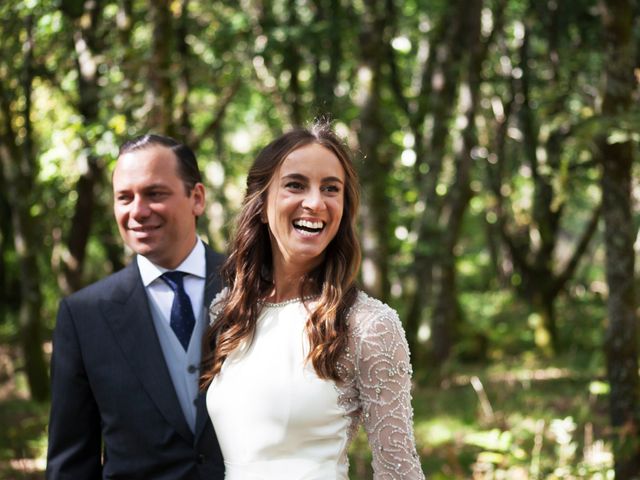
(183,366)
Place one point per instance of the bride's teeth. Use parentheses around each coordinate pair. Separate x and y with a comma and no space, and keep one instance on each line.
(308,224)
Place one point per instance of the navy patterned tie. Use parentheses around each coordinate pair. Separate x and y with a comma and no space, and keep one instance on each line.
(182,319)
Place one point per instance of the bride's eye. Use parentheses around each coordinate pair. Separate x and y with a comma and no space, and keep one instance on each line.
(294,186)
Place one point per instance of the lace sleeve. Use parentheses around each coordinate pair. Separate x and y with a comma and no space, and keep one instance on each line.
(384,384)
(216,305)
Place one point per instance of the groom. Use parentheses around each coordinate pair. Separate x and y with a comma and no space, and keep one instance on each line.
(126,350)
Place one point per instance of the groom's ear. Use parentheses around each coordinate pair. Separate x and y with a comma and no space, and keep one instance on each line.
(199,196)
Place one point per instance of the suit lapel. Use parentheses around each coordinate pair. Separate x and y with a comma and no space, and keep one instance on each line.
(129,317)
(212,286)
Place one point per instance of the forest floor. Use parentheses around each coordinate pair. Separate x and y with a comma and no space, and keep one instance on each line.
(23,424)
(519,419)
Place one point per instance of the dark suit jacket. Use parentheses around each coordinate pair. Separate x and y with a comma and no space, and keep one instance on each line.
(112,394)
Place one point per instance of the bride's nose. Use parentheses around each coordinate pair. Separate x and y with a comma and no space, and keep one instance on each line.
(313,200)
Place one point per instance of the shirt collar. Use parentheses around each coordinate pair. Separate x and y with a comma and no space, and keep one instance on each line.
(193,265)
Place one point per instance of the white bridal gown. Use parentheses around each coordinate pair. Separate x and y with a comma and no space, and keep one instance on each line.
(277,420)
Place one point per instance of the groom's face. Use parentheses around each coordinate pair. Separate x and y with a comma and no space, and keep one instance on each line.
(155,215)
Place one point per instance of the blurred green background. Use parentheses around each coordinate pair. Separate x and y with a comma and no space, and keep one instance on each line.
(496,142)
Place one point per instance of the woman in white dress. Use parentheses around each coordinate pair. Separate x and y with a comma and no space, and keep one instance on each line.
(298,356)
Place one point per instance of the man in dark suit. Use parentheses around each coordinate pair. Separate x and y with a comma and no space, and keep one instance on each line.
(126,350)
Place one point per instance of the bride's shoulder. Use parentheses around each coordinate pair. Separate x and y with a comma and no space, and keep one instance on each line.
(368,314)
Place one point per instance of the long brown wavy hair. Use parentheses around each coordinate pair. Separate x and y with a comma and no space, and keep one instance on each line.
(247,271)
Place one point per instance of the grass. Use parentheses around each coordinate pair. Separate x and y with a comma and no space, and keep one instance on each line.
(542,423)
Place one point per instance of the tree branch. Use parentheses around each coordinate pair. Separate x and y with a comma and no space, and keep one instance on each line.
(580,249)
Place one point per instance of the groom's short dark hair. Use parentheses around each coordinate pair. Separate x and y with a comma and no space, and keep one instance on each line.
(188,169)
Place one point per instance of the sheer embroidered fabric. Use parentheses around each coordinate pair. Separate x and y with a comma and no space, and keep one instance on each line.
(376,393)
(377,390)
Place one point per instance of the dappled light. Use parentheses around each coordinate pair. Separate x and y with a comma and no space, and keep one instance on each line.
(496,143)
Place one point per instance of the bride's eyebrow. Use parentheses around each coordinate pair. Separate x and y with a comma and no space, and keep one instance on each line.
(332,179)
(295,176)
(303,178)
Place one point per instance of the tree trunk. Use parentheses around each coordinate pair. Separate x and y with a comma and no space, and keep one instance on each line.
(5,235)
(621,342)
(19,170)
(545,219)
(329,13)
(621,335)
(292,63)
(376,166)
(86,47)
(545,330)
(445,324)
(429,244)
(127,59)
(160,69)
(439,226)
(185,127)
(26,240)
(447,311)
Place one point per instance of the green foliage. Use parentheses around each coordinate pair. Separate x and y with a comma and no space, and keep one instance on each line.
(24,435)
(239,73)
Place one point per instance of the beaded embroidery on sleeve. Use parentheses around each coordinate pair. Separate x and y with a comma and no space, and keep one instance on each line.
(377,388)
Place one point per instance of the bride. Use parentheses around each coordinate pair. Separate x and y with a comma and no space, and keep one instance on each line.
(297,356)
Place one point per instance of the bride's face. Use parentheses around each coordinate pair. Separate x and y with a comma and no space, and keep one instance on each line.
(304,207)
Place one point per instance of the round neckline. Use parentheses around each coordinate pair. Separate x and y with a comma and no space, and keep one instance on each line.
(284,303)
